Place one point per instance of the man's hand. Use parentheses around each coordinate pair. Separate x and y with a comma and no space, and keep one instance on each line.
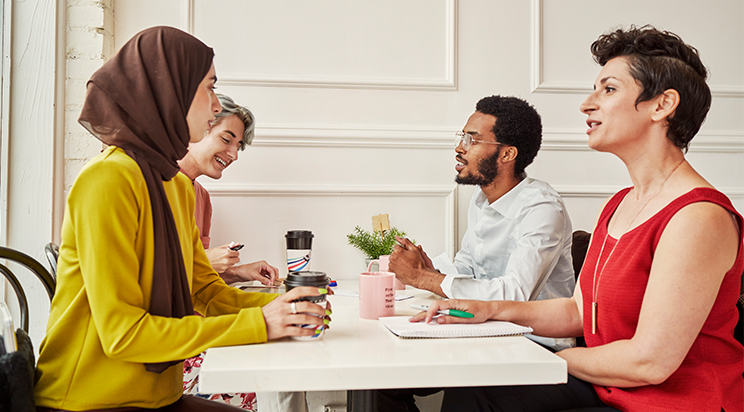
(222,258)
(425,257)
(260,271)
(413,267)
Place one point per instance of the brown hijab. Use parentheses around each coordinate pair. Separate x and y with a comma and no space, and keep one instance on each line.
(138,101)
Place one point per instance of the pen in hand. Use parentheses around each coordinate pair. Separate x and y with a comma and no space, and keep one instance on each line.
(450,312)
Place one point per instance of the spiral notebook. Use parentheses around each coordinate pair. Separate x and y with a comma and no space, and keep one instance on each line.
(401,327)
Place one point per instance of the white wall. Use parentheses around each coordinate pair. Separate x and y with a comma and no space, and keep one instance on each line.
(357,103)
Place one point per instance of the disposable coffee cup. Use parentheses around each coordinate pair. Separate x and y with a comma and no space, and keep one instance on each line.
(299,250)
(313,279)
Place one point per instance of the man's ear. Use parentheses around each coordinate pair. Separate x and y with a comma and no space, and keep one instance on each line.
(666,104)
(509,154)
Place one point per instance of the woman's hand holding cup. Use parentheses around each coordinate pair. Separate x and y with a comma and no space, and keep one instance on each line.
(284,314)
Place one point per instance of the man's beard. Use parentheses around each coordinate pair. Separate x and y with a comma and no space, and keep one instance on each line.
(488,169)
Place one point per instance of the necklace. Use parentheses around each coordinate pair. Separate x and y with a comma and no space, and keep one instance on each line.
(598,277)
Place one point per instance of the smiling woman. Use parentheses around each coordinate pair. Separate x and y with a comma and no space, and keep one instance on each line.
(231,131)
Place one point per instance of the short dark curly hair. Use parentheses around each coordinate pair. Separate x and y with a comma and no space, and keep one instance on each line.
(517,124)
(659,61)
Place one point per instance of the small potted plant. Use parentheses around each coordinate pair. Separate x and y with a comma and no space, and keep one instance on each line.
(376,243)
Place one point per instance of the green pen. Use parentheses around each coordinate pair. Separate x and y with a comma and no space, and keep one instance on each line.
(451,312)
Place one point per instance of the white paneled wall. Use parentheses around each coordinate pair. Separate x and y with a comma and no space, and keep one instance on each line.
(357,102)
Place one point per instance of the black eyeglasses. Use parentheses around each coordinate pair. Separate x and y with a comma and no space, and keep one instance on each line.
(466,140)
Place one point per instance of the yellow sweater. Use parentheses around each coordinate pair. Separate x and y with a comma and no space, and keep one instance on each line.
(100,332)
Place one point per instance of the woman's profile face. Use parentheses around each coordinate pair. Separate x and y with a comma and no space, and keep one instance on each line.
(614,118)
(203,108)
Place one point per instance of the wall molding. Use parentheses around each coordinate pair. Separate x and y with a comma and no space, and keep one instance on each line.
(443,138)
(217,189)
(336,82)
(539,85)
(355,137)
(447,192)
(587,191)
(187,15)
(6,24)
(537,45)
(446,83)
(707,142)
(605,191)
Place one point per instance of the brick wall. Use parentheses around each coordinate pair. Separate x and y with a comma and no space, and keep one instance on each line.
(90,42)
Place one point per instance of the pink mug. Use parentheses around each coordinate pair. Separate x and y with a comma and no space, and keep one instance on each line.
(382,266)
(376,295)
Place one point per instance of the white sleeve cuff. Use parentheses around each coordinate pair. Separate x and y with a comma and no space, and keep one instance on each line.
(445,266)
(446,284)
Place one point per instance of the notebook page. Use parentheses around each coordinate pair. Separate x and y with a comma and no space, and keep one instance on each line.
(401,327)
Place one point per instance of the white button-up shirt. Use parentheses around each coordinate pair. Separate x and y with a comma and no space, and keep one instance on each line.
(516,248)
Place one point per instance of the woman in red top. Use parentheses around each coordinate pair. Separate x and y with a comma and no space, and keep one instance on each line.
(656,301)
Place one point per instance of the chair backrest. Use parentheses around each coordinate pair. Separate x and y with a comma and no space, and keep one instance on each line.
(578,249)
(52,253)
(22,301)
(17,375)
(17,368)
(31,264)
(739,330)
(10,344)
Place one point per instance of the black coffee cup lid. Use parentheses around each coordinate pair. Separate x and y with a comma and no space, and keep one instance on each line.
(306,275)
(305,278)
(299,233)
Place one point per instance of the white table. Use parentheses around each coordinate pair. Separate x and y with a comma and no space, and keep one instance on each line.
(362,354)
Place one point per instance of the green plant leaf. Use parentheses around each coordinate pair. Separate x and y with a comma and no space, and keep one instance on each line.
(372,244)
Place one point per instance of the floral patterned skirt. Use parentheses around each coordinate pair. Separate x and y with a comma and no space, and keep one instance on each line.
(191,369)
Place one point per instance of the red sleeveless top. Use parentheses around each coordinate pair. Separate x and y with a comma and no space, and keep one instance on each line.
(710,377)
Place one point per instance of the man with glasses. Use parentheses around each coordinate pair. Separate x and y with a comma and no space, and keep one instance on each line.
(518,242)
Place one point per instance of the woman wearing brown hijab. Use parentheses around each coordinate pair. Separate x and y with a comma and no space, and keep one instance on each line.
(132,269)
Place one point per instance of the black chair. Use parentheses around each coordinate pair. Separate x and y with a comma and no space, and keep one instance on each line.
(739,330)
(52,253)
(22,301)
(31,264)
(17,367)
(579,247)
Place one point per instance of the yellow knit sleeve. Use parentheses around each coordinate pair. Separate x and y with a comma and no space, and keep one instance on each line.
(111,218)
(212,296)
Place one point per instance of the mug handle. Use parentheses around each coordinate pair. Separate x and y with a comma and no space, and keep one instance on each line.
(369,267)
